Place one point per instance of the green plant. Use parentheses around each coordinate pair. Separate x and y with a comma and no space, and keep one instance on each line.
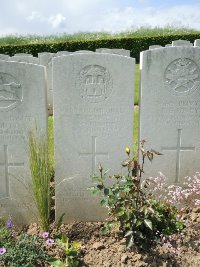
(25,251)
(5,236)
(70,253)
(142,219)
(142,31)
(134,43)
(41,177)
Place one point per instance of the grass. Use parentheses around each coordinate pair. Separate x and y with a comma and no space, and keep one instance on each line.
(41,177)
(142,31)
(51,143)
(135,130)
(137,83)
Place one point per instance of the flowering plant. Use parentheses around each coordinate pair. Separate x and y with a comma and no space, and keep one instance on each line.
(184,197)
(69,251)
(142,218)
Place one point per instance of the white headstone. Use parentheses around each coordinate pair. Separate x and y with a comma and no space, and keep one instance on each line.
(181,43)
(154,46)
(22,109)
(121,52)
(83,51)
(60,53)
(26,59)
(43,53)
(170,111)
(45,59)
(23,54)
(168,45)
(93,115)
(197,42)
(4,57)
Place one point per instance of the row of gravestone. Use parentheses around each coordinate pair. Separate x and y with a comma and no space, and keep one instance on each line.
(45,59)
(93,123)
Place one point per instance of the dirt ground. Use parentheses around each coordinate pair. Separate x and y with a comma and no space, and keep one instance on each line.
(110,251)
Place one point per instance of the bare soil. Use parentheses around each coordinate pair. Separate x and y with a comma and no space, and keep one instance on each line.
(110,251)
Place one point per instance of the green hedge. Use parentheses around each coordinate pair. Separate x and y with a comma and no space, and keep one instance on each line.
(134,44)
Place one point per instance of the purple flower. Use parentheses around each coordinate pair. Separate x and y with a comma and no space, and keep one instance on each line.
(9,224)
(45,234)
(50,242)
(2,251)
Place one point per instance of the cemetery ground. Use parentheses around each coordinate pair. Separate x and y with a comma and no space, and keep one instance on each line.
(110,250)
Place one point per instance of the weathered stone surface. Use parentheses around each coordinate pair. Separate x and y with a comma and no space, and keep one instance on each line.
(25,58)
(181,43)
(45,59)
(154,46)
(93,115)
(121,52)
(22,109)
(83,51)
(169,111)
(23,54)
(197,42)
(61,53)
(4,57)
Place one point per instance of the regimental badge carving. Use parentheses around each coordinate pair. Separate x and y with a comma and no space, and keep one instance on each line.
(95,83)
(10,91)
(182,76)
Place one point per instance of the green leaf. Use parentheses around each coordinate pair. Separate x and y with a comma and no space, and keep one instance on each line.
(119,211)
(64,239)
(72,253)
(128,233)
(130,242)
(76,245)
(151,210)
(105,230)
(106,191)
(93,190)
(150,155)
(100,186)
(103,202)
(97,178)
(138,223)
(145,210)
(56,263)
(60,221)
(148,223)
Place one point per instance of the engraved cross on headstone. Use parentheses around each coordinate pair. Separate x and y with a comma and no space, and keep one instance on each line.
(94,153)
(178,148)
(6,164)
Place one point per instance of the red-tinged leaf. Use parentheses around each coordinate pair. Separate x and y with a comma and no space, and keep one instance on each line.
(142,142)
(156,152)
(125,162)
(150,155)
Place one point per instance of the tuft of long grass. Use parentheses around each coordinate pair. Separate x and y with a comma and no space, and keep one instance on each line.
(51,144)
(41,177)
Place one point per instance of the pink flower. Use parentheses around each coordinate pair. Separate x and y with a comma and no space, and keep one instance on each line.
(2,251)
(45,235)
(50,242)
